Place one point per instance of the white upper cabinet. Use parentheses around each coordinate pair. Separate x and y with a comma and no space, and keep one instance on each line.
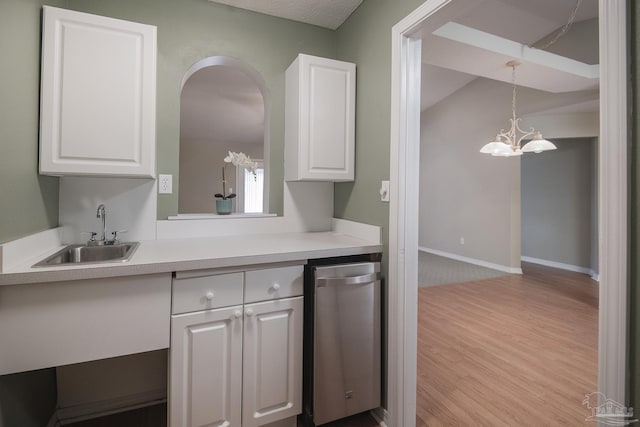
(320,120)
(98,95)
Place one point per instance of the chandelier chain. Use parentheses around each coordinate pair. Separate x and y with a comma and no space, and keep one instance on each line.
(513,84)
(564,30)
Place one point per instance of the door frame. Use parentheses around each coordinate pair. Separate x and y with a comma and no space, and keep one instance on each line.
(403,209)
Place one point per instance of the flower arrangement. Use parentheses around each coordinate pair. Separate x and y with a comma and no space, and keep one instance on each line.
(238,160)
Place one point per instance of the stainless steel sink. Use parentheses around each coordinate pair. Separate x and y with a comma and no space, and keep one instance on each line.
(84,254)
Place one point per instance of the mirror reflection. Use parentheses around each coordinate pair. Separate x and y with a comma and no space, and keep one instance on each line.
(222,109)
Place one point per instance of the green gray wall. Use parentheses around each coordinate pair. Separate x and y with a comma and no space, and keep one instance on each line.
(28,202)
(190,30)
(365,39)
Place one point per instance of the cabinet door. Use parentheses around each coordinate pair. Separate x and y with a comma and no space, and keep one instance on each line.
(98,95)
(272,380)
(205,383)
(320,120)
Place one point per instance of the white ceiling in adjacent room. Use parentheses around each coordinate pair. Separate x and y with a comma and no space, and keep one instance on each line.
(479,41)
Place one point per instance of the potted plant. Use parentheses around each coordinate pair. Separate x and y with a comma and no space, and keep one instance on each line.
(224,201)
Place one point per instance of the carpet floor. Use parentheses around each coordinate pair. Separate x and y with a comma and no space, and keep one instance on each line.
(438,270)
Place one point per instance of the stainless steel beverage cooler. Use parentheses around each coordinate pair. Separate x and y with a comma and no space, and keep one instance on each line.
(345,350)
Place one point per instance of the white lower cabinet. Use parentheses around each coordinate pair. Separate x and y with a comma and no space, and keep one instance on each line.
(206,367)
(239,365)
(272,368)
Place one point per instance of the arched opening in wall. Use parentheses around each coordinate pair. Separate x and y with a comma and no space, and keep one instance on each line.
(224,107)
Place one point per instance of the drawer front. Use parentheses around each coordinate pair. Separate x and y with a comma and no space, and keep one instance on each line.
(273,283)
(203,293)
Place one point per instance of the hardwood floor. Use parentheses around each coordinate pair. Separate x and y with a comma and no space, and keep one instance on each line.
(509,351)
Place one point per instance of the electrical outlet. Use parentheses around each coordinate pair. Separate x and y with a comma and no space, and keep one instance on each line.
(462,240)
(165,184)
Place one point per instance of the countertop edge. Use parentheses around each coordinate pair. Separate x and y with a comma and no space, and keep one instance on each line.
(136,269)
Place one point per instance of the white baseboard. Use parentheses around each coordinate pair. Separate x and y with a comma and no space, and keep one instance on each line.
(381,416)
(562,266)
(111,406)
(505,268)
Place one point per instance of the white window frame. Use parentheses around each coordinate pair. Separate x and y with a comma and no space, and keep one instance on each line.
(240,186)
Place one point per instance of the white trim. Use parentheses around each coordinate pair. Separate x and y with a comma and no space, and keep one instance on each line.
(612,341)
(504,268)
(560,265)
(381,416)
(106,407)
(403,214)
(402,222)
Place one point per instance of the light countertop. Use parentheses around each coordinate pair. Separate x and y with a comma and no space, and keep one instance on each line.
(168,255)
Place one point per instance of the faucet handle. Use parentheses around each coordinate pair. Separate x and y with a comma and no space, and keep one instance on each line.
(115,235)
(92,237)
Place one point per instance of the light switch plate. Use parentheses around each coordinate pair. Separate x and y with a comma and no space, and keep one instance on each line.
(165,184)
(384,191)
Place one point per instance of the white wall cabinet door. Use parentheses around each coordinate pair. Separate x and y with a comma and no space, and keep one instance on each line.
(320,120)
(98,95)
(205,386)
(272,374)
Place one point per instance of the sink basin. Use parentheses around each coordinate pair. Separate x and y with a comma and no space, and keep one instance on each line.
(83,254)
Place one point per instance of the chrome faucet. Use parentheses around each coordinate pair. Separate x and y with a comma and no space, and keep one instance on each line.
(102,214)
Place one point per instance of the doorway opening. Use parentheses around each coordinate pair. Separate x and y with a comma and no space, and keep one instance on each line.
(406,60)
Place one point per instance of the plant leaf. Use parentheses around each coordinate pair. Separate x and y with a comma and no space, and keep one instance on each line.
(231,196)
(218,195)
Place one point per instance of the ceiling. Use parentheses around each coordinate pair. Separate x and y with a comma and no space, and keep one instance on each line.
(222,101)
(323,13)
(236,103)
(450,62)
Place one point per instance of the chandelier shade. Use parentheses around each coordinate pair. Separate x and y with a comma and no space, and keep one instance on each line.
(538,144)
(508,142)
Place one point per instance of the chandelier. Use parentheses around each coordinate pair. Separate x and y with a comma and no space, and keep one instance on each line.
(508,143)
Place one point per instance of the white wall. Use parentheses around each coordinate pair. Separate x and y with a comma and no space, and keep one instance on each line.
(131,205)
(559,204)
(463,193)
(466,194)
(201,172)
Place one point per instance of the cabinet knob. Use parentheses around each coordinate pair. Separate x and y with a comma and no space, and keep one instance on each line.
(249,312)
(237,314)
(209,296)
(276,286)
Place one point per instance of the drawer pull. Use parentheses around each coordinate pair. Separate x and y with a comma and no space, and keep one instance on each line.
(276,286)
(237,314)
(249,312)
(209,296)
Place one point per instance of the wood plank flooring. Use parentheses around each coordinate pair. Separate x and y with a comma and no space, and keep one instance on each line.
(508,351)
